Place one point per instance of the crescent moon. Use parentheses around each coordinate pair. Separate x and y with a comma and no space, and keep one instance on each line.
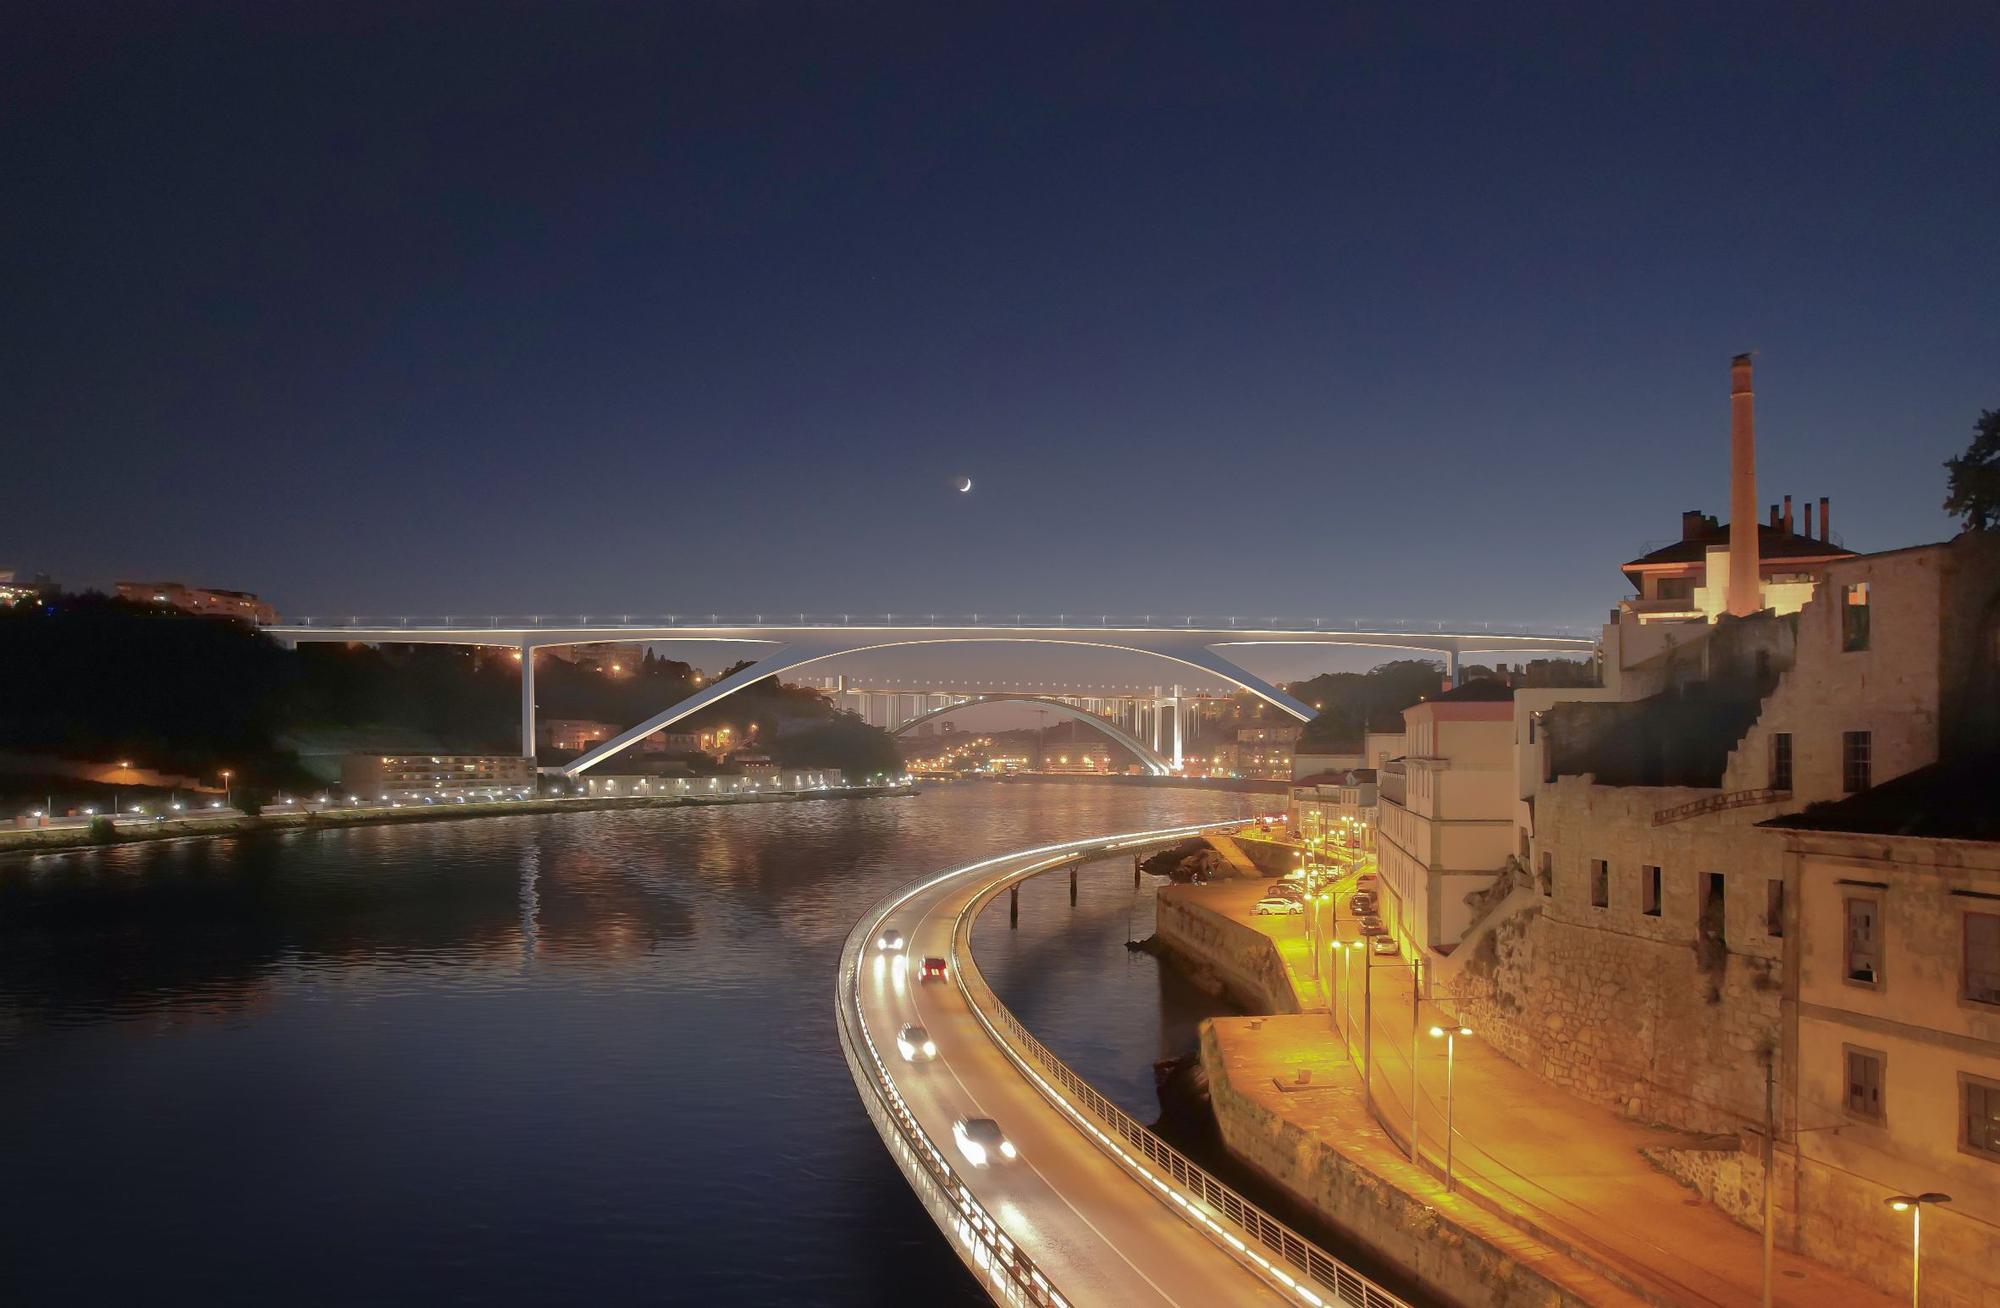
(966,486)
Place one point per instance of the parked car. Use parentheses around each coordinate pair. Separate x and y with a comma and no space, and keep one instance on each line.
(1285,890)
(1383,945)
(915,1044)
(932,970)
(1366,881)
(1373,927)
(1362,904)
(980,1139)
(891,942)
(1276,906)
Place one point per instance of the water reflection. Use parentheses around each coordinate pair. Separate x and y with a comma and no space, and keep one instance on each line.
(536,1059)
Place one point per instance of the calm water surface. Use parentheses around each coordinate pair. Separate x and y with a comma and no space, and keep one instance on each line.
(550,1059)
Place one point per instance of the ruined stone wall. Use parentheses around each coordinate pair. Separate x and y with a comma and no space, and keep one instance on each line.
(1658,1015)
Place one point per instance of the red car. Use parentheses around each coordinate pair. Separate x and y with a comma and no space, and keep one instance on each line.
(932,970)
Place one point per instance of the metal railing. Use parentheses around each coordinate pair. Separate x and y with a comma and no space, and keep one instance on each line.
(1203,1199)
(1720,803)
(1008,1272)
(1434,627)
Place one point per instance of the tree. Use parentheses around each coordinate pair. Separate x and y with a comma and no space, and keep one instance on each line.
(1975,476)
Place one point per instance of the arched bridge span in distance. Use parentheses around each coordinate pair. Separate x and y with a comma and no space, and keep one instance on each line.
(790,647)
(1149,758)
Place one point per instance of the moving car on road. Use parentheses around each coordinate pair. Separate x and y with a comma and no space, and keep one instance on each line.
(932,970)
(891,942)
(1276,906)
(915,1044)
(981,1140)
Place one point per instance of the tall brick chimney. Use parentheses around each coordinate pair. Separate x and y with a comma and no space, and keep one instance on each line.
(1745,596)
(1825,518)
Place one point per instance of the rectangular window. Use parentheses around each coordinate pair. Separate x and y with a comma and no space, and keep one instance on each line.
(1711,909)
(1855,761)
(1864,1082)
(1979,1116)
(1863,951)
(1600,883)
(1649,890)
(1676,588)
(1982,957)
(1548,873)
(1774,909)
(1781,760)
(1854,617)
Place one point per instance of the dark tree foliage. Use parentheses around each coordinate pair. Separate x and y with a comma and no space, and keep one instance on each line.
(1973,490)
(843,741)
(1354,702)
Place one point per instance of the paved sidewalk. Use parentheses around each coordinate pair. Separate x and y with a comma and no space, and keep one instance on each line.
(1562,1171)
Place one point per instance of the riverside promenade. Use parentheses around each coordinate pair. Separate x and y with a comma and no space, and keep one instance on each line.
(1552,1200)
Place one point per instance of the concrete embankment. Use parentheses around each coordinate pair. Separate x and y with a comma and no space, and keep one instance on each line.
(39,839)
(1314,1138)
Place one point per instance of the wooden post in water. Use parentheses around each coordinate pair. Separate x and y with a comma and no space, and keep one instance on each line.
(1072,885)
(1014,905)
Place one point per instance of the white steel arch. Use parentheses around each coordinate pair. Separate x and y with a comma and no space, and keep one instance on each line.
(1151,758)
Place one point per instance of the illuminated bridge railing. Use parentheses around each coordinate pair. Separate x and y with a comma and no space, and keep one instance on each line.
(1294,1260)
(1008,1273)
(1078,621)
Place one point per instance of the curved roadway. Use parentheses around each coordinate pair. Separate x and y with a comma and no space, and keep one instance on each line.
(1098,1231)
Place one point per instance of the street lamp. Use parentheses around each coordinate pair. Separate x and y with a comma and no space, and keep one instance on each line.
(1913,1204)
(226,774)
(1450,1035)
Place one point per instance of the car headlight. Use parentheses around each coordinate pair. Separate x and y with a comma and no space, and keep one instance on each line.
(1007,1148)
(930,1050)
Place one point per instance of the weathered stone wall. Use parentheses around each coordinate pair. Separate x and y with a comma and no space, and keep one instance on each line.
(1453,1262)
(1654,1014)
(1223,955)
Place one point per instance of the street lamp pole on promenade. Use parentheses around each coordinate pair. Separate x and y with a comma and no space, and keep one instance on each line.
(1913,1204)
(1450,1036)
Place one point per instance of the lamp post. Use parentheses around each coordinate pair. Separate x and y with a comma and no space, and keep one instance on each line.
(226,774)
(1913,1204)
(1450,1035)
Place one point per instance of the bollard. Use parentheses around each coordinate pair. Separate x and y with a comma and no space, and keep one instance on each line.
(1072,885)
(1014,905)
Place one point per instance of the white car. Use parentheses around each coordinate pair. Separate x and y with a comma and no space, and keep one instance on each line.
(1276,906)
(915,1044)
(980,1140)
(891,942)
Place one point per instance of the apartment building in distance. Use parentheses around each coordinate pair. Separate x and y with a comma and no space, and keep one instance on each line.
(416,778)
(205,600)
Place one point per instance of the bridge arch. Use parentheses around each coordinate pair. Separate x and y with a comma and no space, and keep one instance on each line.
(1153,761)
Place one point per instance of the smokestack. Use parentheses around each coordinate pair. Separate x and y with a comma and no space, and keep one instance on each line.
(1787,524)
(1744,594)
(1825,519)
(1808,531)
(1774,517)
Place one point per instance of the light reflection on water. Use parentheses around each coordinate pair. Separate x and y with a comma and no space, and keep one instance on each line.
(541,1059)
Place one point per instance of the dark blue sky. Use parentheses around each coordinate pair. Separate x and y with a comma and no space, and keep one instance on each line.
(1267,309)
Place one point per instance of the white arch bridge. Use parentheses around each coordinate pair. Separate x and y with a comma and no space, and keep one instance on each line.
(788,647)
(1149,757)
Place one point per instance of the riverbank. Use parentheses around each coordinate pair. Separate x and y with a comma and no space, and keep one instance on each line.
(51,839)
(1552,1200)
(1229,785)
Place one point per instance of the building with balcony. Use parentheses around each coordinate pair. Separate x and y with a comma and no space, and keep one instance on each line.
(406,778)
(204,600)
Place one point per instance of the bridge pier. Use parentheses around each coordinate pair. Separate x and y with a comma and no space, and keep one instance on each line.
(1014,905)
(1135,871)
(527,700)
(1072,884)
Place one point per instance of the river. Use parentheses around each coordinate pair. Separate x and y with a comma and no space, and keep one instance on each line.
(550,1059)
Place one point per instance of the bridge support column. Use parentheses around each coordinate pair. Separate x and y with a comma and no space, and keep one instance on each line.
(1177,728)
(527,700)
(1450,668)
(1014,905)
(1072,885)
(1135,871)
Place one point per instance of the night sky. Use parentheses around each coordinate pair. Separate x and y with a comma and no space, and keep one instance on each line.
(1423,312)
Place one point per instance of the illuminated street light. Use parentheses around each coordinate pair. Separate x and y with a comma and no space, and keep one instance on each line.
(1450,1035)
(1913,1204)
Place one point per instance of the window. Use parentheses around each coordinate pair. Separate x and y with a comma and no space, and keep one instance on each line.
(1855,752)
(1864,1082)
(1711,909)
(1676,588)
(1979,1116)
(1781,760)
(1649,890)
(1600,883)
(1863,952)
(1854,617)
(1982,957)
(1548,873)
(1774,909)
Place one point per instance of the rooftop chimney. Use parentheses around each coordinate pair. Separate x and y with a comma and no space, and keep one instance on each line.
(1744,593)
(1808,519)
(1825,519)
(1787,522)
(1775,519)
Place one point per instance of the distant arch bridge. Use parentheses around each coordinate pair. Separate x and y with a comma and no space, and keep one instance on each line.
(1154,762)
(1194,643)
